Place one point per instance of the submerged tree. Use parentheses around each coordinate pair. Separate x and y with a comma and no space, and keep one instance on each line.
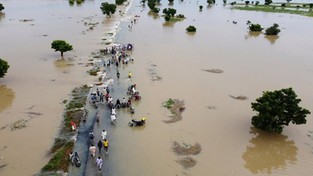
(1,7)
(108,9)
(4,66)
(268,2)
(254,27)
(277,109)
(156,10)
(273,30)
(169,11)
(151,4)
(210,2)
(119,2)
(191,29)
(62,46)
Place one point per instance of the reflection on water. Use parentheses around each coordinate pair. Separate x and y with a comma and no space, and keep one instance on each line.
(63,64)
(2,15)
(6,96)
(271,38)
(269,151)
(252,34)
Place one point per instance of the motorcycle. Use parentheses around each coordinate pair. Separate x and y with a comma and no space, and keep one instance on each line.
(75,159)
(134,122)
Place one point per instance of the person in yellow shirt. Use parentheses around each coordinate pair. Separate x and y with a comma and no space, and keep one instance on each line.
(129,74)
(106,145)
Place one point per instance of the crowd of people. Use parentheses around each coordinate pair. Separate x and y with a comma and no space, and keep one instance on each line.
(102,95)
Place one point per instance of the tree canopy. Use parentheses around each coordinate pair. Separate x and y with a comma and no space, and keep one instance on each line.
(108,9)
(268,2)
(1,7)
(273,30)
(191,29)
(277,109)
(119,2)
(61,45)
(4,66)
(254,27)
(169,11)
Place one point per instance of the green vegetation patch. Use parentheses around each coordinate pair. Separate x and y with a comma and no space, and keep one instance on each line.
(298,10)
(74,109)
(168,104)
(60,159)
(63,145)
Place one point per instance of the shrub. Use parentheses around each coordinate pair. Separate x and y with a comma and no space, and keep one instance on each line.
(4,66)
(156,10)
(191,29)
(273,30)
(119,2)
(268,2)
(255,27)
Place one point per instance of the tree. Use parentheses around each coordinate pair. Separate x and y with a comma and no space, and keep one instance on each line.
(4,66)
(191,29)
(273,30)
(247,2)
(171,1)
(151,4)
(268,2)
(156,10)
(108,9)
(119,2)
(277,109)
(209,2)
(169,13)
(62,46)
(1,7)
(254,27)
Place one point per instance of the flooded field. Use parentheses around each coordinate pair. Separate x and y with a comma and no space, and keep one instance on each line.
(169,63)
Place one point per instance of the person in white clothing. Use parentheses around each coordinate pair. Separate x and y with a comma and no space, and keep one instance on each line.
(113,112)
(103,134)
(92,150)
(99,162)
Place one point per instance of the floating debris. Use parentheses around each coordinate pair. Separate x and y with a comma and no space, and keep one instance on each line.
(176,107)
(211,107)
(214,70)
(240,97)
(187,162)
(186,149)
(18,124)
(26,20)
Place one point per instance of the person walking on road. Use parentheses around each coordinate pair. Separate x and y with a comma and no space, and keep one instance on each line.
(100,146)
(106,145)
(99,162)
(104,134)
(92,150)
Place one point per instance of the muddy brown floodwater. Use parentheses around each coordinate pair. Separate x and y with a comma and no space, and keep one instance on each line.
(250,64)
